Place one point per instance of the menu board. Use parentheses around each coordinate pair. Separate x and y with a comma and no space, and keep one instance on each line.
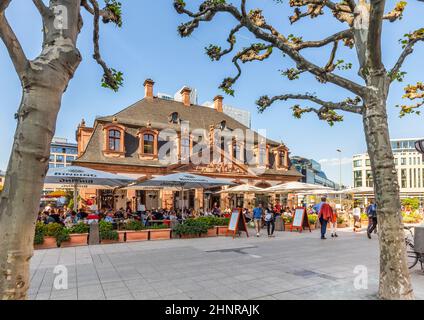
(234,220)
(298,217)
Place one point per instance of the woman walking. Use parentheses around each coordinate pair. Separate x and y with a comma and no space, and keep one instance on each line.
(270,221)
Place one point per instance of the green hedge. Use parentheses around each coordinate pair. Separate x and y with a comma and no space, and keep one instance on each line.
(191,227)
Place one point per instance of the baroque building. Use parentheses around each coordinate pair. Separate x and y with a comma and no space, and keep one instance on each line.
(157,136)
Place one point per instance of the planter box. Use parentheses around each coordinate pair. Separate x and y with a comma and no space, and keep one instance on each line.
(287,226)
(189,236)
(106,241)
(140,235)
(160,234)
(49,243)
(212,232)
(342,225)
(221,230)
(122,236)
(76,240)
(313,226)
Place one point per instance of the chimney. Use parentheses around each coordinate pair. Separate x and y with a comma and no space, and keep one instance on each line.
(185,93)
(217,103)
(148,88)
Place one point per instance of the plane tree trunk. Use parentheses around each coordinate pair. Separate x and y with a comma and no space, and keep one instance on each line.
(394,282)
(44,81)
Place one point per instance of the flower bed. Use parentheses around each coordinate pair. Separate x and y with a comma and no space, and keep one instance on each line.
(107,234)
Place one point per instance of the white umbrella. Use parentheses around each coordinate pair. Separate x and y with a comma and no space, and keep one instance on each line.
(358,190)
(184,181)
(243,188)
(295,187)
(74,177)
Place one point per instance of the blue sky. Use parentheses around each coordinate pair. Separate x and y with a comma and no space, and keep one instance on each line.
(148,46)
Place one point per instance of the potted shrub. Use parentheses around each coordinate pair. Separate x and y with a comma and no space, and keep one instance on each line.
(78,235)
(191,228)
(287,222)
(135,231)
(41,241)
(216,225)
(222,226)
(341,222)
(312,218)
(54,235)
(106,233)
(160,232)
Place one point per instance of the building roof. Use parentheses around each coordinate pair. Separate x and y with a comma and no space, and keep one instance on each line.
(156,112)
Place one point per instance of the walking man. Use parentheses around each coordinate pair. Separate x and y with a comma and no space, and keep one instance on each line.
(257,218)
(372,218)
(325,214)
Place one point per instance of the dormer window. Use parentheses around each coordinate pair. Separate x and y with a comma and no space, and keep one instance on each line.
(148,147)
(174,118)
(148,143)
(114,140)
(223,125)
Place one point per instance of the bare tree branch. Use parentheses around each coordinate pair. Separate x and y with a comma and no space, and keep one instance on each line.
(42,8)
(345,34)
(111,78)
(11,42)
(349,105)
(374,35)
(413,38)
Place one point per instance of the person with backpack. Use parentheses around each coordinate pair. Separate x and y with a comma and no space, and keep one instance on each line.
(270,221)
(325,215)
(372,218)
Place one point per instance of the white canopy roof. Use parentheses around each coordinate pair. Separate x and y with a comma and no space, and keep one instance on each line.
(243,188)
(295,187)
(184,180)
(72,176)
(358,190)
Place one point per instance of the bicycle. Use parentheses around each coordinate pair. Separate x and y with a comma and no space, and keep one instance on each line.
(412,255)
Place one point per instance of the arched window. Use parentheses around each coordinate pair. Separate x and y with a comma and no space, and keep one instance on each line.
(148,145)
(114,140)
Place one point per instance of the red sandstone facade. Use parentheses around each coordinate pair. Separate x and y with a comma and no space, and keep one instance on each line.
(129,143)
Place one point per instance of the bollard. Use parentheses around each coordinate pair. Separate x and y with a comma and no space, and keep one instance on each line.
(94,237)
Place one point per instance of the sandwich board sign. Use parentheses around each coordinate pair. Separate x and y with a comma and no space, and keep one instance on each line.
(237,223)
(300,220)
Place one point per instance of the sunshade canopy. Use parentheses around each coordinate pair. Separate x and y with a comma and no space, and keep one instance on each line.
(72,176)
(243,188)
(295,187)
(185,181)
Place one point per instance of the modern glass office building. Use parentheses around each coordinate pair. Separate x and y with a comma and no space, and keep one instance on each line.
(62,153)
(409,166)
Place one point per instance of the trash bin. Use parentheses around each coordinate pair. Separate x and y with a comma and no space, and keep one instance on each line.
(279,224)
(419,239)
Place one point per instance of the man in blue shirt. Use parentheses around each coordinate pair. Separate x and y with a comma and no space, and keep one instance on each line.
(372,218)
(257,218)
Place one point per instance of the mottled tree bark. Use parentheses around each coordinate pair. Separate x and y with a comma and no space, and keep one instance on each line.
(394,282)
(44,81)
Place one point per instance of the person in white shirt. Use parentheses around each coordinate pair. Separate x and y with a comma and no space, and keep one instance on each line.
(356,219)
